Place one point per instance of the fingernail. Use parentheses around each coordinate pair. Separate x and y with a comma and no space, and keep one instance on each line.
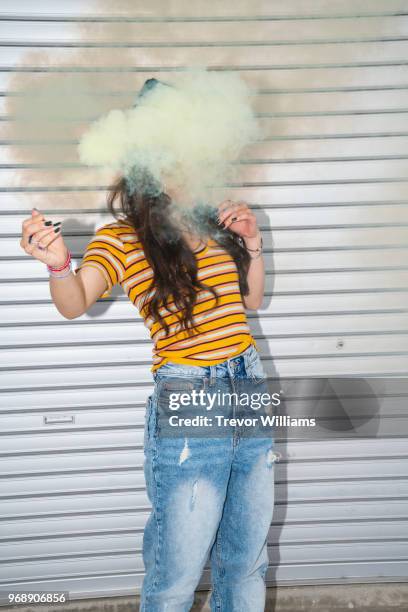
(47,222)
(30,238)
(57,223)
(57,229)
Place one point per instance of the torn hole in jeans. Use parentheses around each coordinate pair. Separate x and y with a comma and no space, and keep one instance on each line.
(185,453)
(272,457)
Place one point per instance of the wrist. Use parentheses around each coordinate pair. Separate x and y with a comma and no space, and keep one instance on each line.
(66,272)
(253,242)
(63,270)
(63,265)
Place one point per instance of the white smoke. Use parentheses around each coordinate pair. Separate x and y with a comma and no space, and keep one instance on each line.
(187,135)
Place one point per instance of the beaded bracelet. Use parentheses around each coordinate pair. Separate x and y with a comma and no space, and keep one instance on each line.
(63,274)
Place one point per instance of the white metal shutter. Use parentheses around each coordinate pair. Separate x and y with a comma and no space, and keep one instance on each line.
(330,184)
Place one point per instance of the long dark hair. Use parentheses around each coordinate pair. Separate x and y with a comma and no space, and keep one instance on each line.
(172,260)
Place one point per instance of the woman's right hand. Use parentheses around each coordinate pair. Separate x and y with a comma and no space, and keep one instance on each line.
(54,251)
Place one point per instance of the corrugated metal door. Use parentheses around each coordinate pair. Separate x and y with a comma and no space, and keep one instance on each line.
(329,181)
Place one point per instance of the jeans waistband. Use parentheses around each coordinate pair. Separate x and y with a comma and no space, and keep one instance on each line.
(242,360)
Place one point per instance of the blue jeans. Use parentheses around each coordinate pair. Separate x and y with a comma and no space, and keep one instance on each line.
(210,497)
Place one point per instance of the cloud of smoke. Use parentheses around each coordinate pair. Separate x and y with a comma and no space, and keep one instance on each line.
(53,94)
(186,134)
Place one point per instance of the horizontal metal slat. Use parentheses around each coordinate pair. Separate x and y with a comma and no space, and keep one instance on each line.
(120,463)
(113,398)
(14,104)
(295,152)
(28,268)
(310,490)
(269,56)
(63,200)
(101,376)
(101,528)
(279,305)
(119,545)
(297,218)
(328,553)
(349,77)
(14,360)
(287,31)
(296,9)
(127,583)
(48,421)
(88,506)
(282,173)
(329,281)
(374,123)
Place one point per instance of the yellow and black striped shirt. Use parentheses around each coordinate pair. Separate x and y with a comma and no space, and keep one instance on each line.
(220,331)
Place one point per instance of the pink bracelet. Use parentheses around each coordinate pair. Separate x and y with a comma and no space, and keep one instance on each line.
(66,264)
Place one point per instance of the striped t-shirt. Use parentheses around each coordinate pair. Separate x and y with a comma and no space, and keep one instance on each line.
(220,331)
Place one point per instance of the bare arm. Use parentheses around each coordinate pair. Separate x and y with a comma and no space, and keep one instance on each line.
(256,275)
(241,220)
(74,294)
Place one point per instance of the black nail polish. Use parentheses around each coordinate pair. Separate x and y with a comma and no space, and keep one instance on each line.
(30,238)
(57,223)
(57,229)
(47,222)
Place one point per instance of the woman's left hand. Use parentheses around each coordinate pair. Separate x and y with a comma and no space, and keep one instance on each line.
(237,217)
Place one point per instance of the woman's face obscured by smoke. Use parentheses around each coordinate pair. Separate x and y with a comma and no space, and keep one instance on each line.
(185,135)
(175,185)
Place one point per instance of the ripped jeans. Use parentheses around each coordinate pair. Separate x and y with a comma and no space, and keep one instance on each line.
(211,497)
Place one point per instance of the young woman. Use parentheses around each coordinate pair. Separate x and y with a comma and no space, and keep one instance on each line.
(210,496)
